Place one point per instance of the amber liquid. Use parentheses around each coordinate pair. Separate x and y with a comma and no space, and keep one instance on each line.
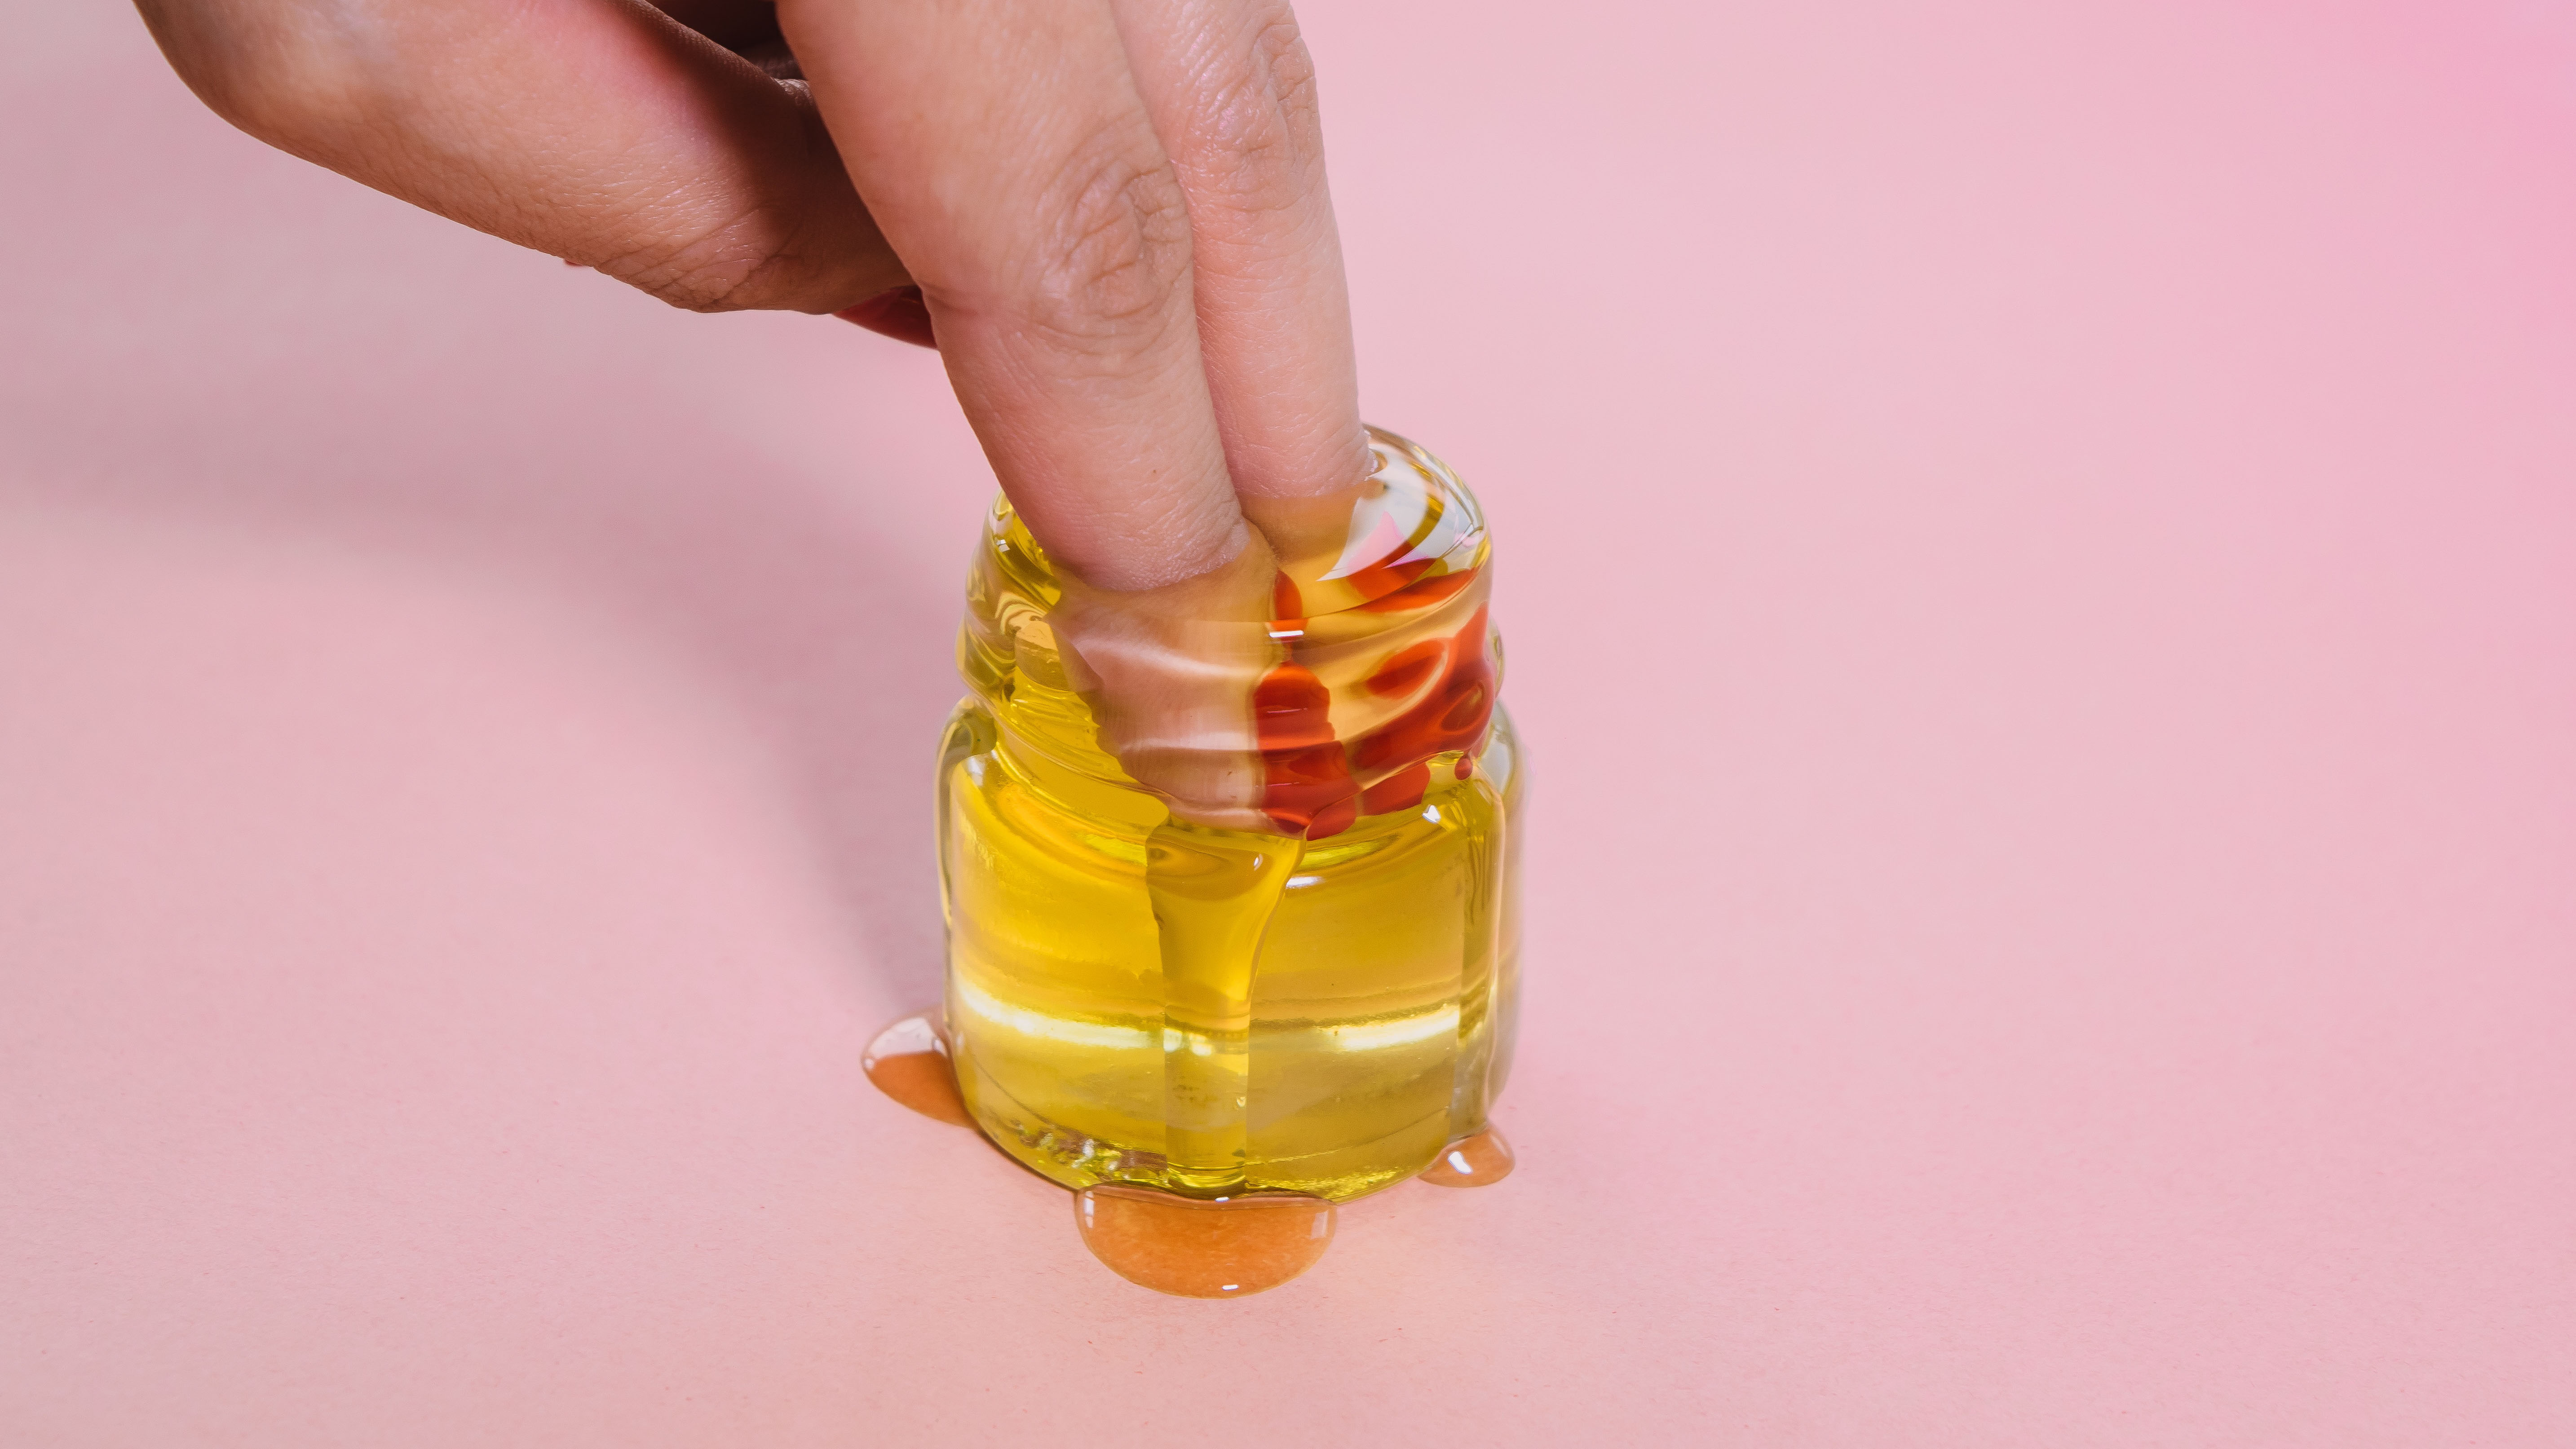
(1210,1011)
(1135,999)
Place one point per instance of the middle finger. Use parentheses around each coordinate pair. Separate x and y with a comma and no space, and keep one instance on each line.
(1004,148)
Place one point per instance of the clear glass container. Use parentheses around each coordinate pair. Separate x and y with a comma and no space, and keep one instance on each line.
(1315,995)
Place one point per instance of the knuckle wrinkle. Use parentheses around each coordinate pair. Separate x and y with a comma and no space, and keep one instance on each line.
(1117,244)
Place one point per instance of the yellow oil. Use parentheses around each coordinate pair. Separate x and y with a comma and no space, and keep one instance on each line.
(1135,998)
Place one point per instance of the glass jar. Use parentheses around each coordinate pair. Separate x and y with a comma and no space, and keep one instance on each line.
(1315,995)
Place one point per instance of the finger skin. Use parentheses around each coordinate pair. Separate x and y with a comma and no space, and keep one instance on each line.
(1232,93)
(1170,673)
(601,131)
(1004,148)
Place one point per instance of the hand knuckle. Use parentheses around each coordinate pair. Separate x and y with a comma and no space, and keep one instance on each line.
(1261,129)
(730,267)
(1118,246)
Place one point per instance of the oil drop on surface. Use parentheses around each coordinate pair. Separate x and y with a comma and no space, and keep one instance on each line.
(1247,1015)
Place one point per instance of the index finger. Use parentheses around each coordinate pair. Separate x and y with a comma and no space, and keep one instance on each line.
(1005,150)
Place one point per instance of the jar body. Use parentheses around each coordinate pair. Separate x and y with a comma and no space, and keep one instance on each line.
(1135,998)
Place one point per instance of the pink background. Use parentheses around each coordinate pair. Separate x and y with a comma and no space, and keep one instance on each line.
(2039,552)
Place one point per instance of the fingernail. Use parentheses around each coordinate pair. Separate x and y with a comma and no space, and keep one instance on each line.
(899,314)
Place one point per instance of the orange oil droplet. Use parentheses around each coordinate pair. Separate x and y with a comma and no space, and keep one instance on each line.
(908,1061)
(1451,716)
(1196,1248)
(1478,1161)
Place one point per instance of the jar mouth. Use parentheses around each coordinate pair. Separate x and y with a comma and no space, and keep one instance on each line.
(1416,533)
(1286,696)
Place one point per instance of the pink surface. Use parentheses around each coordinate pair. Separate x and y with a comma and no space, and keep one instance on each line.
(2054,924)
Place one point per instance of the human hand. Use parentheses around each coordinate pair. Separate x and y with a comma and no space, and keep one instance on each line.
(1113,213)
(1114,210)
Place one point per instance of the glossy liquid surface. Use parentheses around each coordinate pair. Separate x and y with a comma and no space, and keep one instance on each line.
(908,1061)
(1194,1248)
(1478,1161)
(1212,1012)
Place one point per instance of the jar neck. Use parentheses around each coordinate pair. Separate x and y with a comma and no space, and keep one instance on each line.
(1375,660)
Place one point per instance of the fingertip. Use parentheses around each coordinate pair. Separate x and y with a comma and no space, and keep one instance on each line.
(899,314)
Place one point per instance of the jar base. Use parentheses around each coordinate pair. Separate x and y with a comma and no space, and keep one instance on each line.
(1227,1247)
